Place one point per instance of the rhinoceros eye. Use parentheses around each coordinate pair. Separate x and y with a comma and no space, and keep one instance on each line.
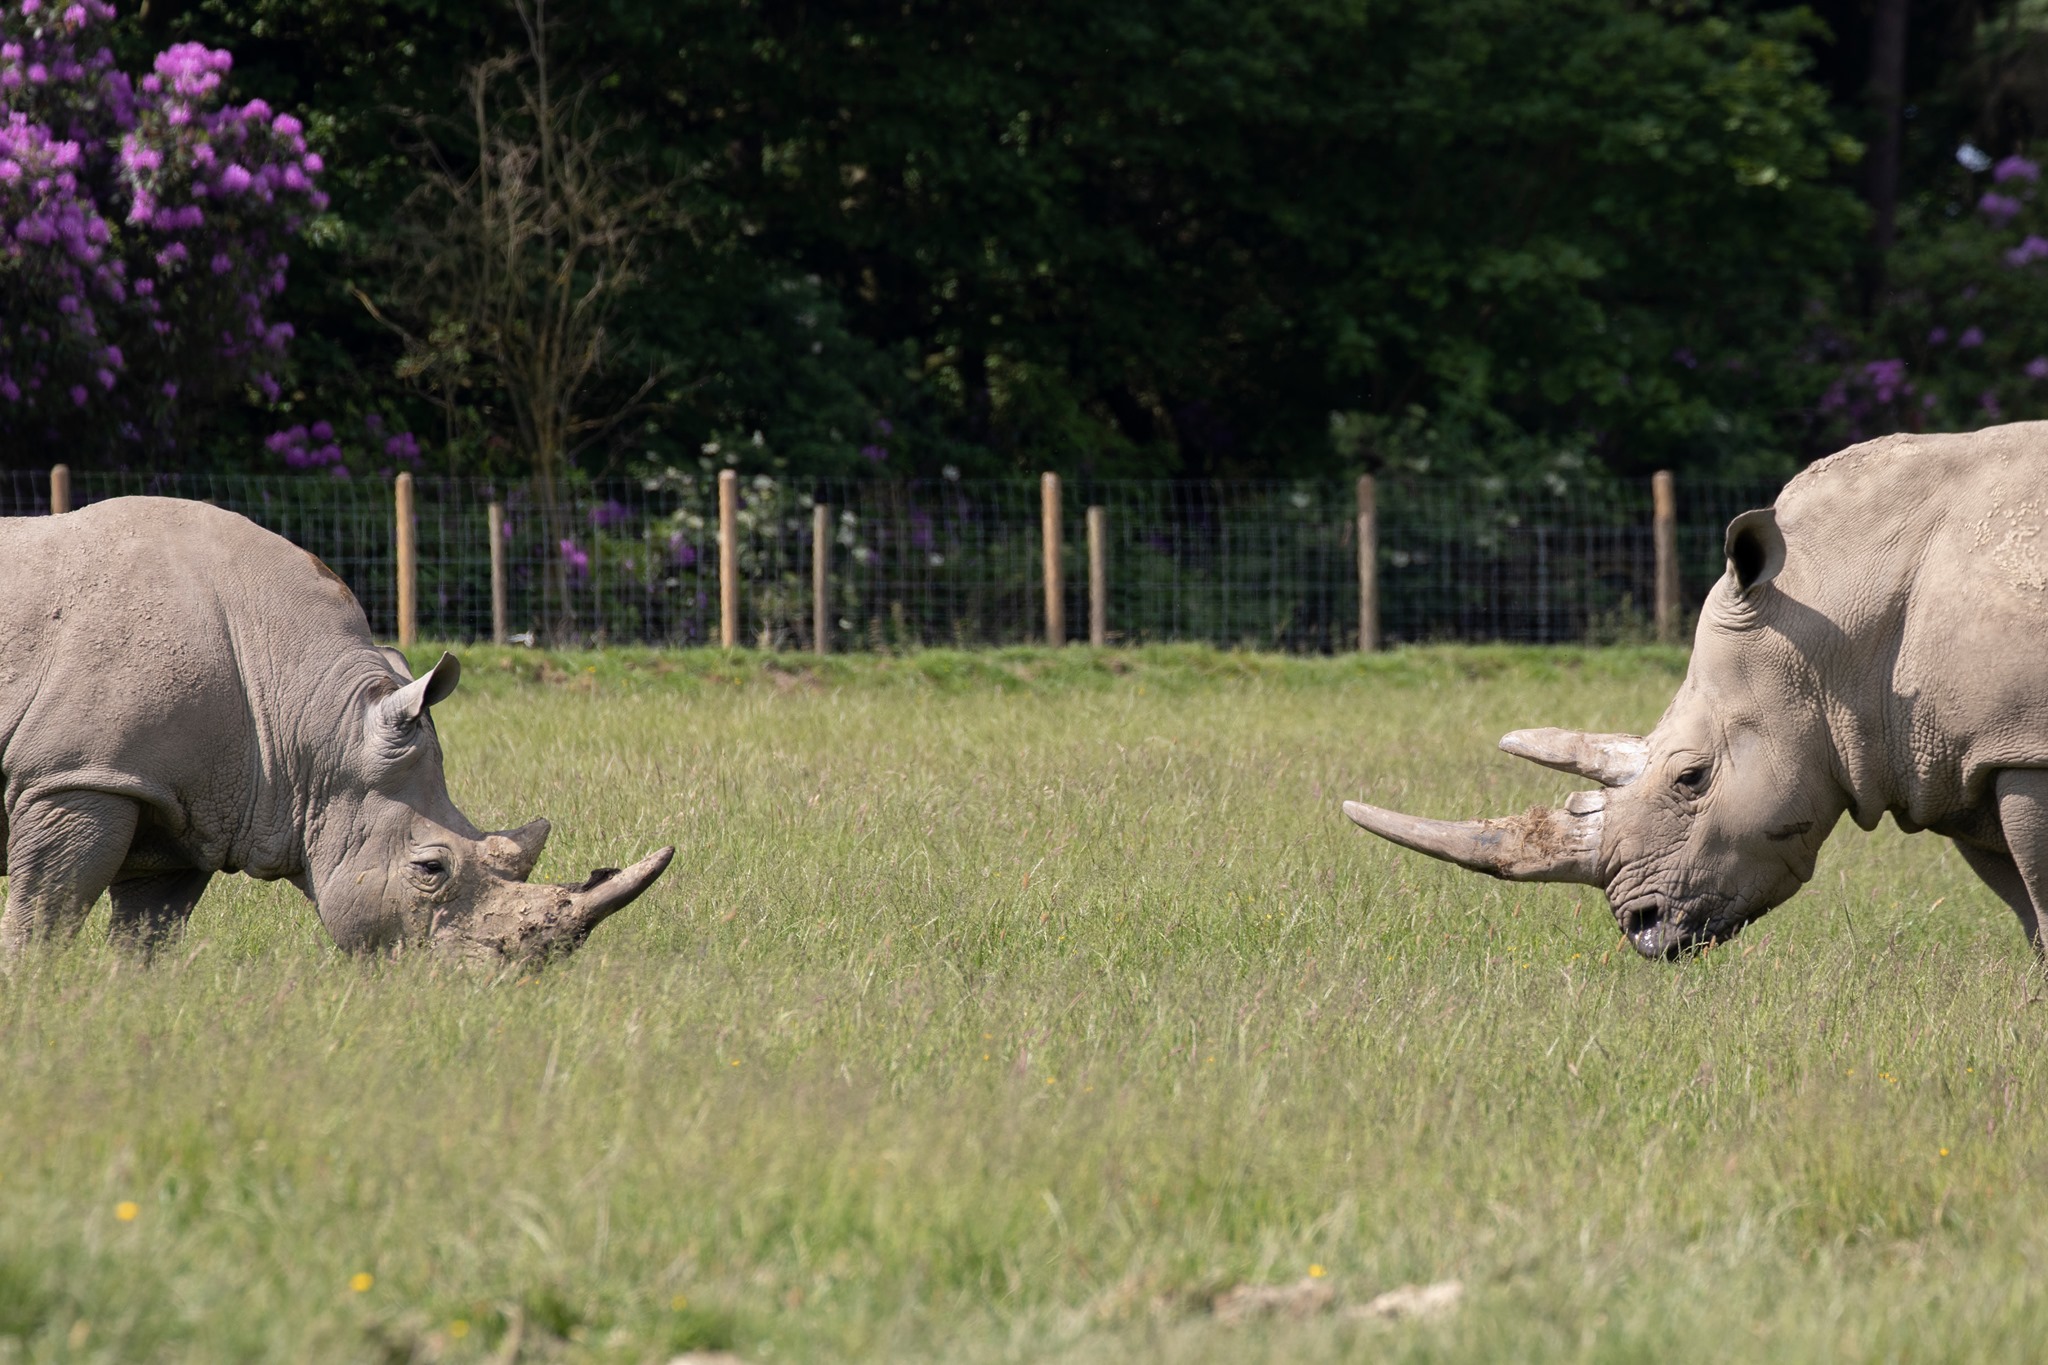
(430,869)
(1694,779)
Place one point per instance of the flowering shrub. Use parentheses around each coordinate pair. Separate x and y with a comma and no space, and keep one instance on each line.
(142,234)
(320,447)
(1962,334)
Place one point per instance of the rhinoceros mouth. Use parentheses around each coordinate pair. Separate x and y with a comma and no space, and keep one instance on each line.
(1657,929)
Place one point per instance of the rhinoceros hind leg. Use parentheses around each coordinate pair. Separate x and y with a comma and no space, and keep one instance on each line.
(2002,875)
(151,911)
(2022,795)
(62,851)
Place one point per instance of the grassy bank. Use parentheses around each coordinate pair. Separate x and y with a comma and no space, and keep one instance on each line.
(1010,1006)
(508,671)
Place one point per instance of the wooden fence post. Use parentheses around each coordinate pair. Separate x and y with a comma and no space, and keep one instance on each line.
(1098,576)
(1049,539)
(60,489)
(1664,532)
(821,578)
(728,558)
(494,517)
(1368,564)
(408,567)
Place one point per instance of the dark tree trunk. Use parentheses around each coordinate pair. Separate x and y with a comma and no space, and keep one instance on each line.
(1133,418)
(980,403)
(1887,81)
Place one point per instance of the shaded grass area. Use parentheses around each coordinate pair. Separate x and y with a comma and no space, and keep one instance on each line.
(1005,1020)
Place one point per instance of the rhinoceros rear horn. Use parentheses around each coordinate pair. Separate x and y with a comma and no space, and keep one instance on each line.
(512,853)
(1540,845)
(1610,760)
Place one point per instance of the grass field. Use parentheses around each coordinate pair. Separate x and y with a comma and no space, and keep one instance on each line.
(1011,1007)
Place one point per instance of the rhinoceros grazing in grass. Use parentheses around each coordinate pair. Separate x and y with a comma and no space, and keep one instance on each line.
(1879,642)
(183,693)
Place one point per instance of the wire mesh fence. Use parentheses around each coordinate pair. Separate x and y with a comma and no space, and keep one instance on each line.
(1265,564)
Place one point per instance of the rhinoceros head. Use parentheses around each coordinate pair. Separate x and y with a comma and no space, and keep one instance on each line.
(1700,826)
(392,861)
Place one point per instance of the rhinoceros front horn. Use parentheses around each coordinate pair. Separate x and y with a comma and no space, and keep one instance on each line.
(1610,760)
(610,890)
(1540,845)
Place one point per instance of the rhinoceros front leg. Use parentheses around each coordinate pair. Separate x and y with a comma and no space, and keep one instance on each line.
(151,911)
(63,849)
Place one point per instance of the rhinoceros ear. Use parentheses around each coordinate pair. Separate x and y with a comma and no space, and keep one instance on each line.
(1756,548)
(411,701)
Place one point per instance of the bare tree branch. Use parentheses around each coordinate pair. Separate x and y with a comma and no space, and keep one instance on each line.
(519,256)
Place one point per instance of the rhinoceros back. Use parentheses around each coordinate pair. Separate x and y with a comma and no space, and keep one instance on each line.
(173,652)
(1916,578)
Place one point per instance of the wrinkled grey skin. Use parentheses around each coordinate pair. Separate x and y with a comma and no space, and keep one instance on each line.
(1878,643)
(183,693)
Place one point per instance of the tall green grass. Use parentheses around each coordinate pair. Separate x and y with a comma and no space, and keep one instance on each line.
(1008,1007)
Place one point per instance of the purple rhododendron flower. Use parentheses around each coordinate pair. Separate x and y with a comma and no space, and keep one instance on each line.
(84,147)
(2037,368)
(1988,401)
(1999,208)
(609,513)
(1973,336)
(876,454)
(404,446)
(2032,249)
(1937,335)
(1887,379)
(576,558)
(2015,167)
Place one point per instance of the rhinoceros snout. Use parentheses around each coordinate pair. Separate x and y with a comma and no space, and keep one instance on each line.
(529,921)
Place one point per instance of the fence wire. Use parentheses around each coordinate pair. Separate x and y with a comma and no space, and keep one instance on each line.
(1266,564)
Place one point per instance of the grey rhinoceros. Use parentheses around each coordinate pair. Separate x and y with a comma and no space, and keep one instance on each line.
(1878,642)
(183,693)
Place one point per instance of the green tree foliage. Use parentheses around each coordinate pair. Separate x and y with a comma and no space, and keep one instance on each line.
(1142,236)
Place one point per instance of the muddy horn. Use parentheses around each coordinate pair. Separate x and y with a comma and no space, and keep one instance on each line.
(521,921)
(1610,760)
(610,890)
(1540,845)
